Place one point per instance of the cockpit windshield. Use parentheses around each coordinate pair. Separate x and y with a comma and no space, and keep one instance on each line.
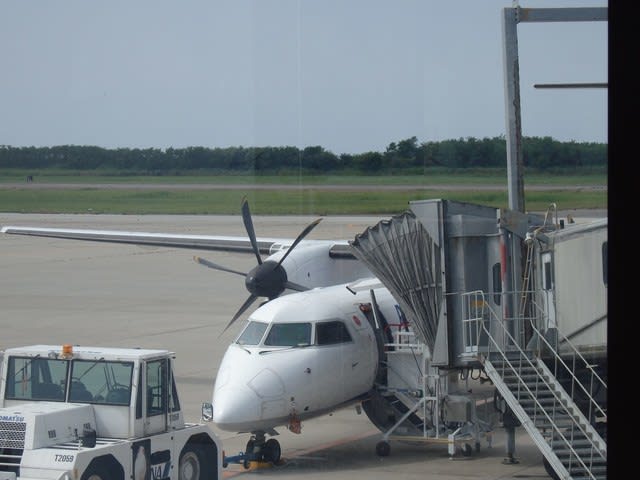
(289,335)
(252,334)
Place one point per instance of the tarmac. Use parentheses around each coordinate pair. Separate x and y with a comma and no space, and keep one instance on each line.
(56,291)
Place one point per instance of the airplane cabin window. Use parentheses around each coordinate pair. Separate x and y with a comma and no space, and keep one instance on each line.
(289,335)
(330,333)
(252,334)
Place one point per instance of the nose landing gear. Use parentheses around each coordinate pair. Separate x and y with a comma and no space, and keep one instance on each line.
(257,450)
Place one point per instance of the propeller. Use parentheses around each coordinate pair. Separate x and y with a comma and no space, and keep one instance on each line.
(268,278)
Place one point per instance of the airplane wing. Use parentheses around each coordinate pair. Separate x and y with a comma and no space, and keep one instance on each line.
(339,248)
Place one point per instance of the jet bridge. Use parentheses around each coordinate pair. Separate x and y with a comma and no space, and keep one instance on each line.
(425,257)
(450,267)
(428,254)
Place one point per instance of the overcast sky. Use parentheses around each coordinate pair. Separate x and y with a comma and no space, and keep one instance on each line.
(349,75)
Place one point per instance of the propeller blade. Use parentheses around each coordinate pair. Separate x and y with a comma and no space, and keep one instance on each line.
(295,286)
(215,266)
(303,234)
(248,225)
(247,303)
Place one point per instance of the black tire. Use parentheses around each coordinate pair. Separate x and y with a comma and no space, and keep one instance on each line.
(96,473)
(190,465)
(251,445)
(272,451)
(248,454)
(383,449)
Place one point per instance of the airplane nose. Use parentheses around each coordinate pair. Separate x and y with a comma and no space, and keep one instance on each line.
(247,395)
(234,407)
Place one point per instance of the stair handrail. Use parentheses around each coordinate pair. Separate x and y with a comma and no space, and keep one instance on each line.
(574,353)
(522,354)
(557,358)
(595,380)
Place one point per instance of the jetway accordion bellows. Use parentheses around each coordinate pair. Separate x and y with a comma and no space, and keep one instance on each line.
(404,257)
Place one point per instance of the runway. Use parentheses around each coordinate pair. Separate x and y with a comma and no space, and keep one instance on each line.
(91,293)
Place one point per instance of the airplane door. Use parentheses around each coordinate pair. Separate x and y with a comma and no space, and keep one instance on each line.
(330,385)
(364,352)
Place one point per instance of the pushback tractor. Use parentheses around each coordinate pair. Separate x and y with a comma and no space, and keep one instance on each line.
(94,413)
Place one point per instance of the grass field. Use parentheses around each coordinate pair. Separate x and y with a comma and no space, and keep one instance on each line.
(45,195)
(485,176)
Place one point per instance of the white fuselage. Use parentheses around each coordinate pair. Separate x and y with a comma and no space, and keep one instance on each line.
(311,265)
(300,355)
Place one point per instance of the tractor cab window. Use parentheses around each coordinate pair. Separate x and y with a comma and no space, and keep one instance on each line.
(289,335)
(99,381)
(36,378)
(252,334)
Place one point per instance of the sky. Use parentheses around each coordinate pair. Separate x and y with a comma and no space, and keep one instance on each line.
(351,76)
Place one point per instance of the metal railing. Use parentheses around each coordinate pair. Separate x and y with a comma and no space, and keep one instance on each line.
(483,330)
(486,335)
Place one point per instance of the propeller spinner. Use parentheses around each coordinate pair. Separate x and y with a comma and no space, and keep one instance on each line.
(267,279)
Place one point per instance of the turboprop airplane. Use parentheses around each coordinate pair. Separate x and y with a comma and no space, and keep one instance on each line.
(311,347)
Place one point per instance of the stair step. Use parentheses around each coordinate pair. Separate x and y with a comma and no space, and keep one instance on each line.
(586,476)
(551,434)
(583,453)
(576,443)
(549,414)
(400,407)
(519,391)
(521,362)
(506,368)
(544,401)
(510,354)
(532,379)
(598,472)
(514,382)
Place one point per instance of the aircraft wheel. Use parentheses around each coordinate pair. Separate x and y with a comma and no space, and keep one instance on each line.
(272,451)
(467,450)
(383,449)
(248,453)
(250,446)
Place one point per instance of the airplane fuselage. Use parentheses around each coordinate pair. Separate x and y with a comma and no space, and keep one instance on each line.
(299,356)
(311,264)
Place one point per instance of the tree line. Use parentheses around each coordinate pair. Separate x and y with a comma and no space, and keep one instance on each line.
(403,157)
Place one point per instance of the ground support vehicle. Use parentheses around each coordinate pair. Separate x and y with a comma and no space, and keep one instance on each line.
(93,413)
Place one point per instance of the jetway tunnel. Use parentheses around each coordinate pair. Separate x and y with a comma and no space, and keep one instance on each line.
(430,254)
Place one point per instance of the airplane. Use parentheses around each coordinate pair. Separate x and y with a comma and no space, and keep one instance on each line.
(314,345)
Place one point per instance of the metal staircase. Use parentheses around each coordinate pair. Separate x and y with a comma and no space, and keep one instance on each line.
(552,390)
(414,403)
(412,420)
